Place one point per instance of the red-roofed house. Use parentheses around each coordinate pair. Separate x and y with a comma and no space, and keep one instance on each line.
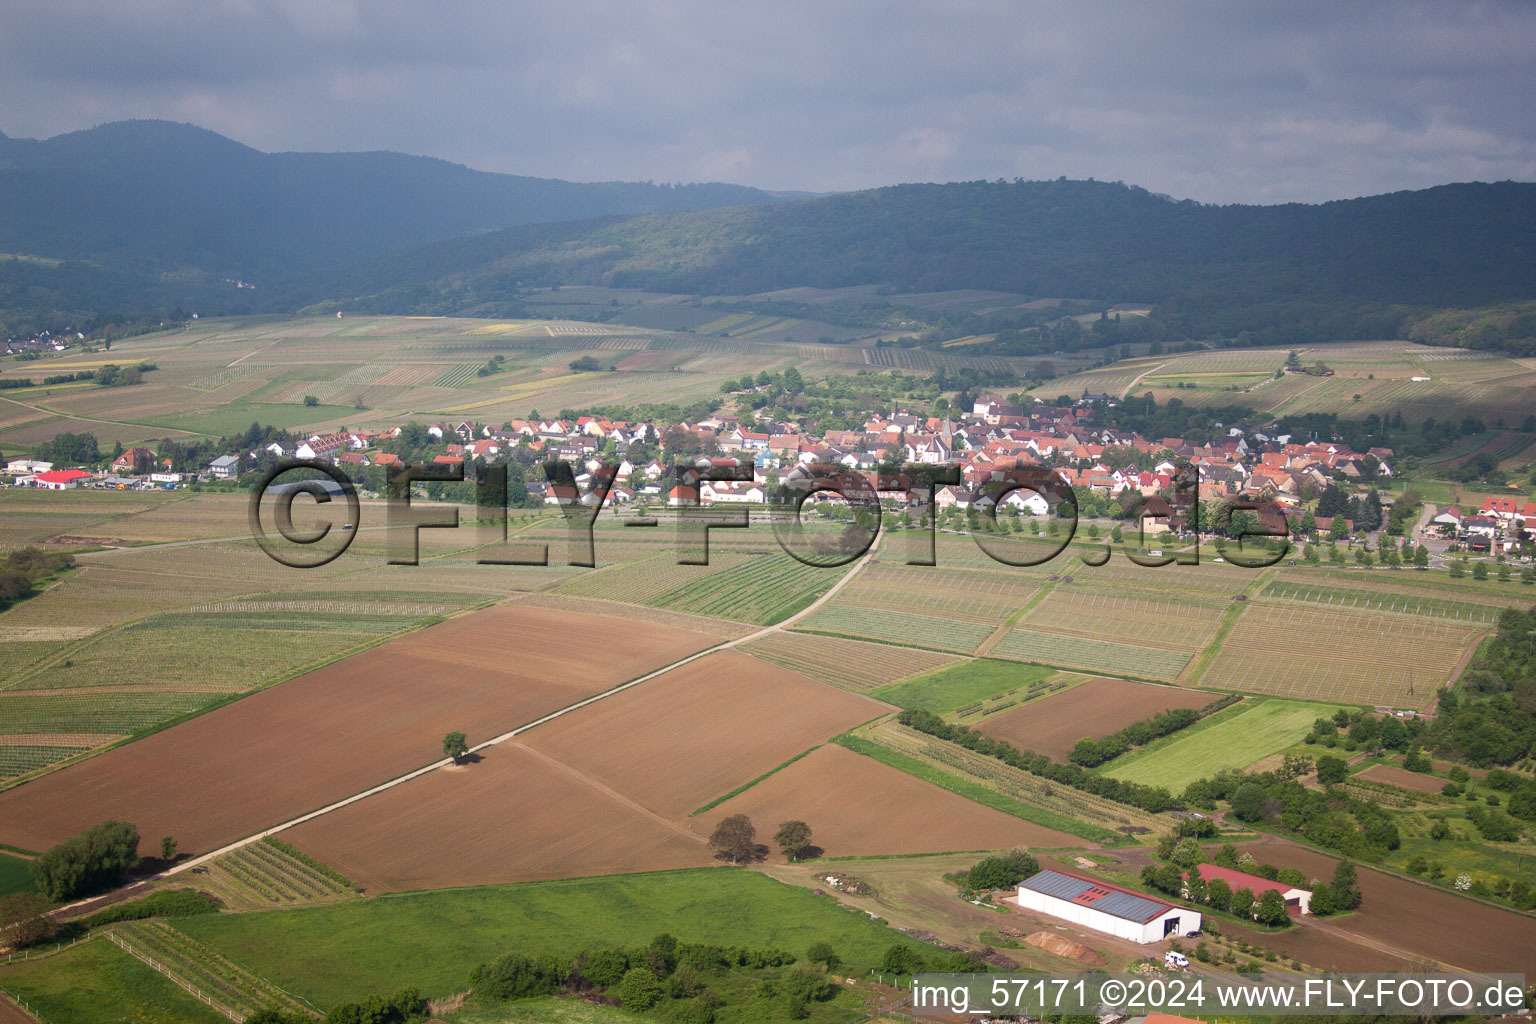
(1297,901)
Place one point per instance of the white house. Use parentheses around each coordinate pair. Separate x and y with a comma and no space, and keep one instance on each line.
(1106,908)
(730,492)
(1027,502)
(16,467)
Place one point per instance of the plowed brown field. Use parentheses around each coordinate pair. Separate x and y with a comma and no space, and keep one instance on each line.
(857,806)
(515,816)
(678,741)
(1095,709)
(1400,922)
(1404,778)
(343,728)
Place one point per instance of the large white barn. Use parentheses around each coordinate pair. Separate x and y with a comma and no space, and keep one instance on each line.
(1106,908)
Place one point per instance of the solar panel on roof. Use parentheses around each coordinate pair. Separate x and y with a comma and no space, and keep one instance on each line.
(1129,907)
(1054,883)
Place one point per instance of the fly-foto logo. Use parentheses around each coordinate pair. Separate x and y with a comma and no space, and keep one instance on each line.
(918,493)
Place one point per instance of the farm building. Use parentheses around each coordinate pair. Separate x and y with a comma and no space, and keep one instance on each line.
(1106,908)
(60,480)
(1297,901)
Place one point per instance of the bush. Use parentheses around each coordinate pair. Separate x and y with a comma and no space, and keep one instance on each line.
(639,990)
(98,858)
(1002,872)
(901,960)
(823,953)
(515,976)
(392,1009)
(165,903)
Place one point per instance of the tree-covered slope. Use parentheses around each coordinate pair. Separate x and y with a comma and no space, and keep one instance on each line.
(1216,269)
(177,196)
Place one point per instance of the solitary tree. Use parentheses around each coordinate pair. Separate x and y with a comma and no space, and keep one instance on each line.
(792,838)
(736,838)
(455,746)
(1346,890)
(167,847)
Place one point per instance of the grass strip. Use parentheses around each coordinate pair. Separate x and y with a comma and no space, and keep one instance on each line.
(976,792)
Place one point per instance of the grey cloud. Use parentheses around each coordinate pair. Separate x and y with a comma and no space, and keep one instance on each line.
(1222,102)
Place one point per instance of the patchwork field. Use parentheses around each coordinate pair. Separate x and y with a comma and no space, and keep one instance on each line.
(943,607)
(340,729)
(513,816)
(756,588)
(1365,657)
(676,742)
(851,664)
(1052,725)
(966,685)
(1235,738)
(856,805)
(351,952)
(1465,933)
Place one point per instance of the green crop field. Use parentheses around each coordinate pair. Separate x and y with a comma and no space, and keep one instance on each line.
(124,712)
(763,590)
(1232,739)
(15,875)
(1088,653)
(236,416)
(72,986)
(899,627)
(354,948)
(957,685)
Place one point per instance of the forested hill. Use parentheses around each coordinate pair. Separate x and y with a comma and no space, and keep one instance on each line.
(1351,268)
(178,198)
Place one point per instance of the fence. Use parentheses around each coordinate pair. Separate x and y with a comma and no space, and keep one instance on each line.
(28,954)
(191,989)
(25,1006)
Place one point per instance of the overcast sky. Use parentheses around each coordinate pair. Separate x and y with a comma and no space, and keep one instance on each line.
(1223,102)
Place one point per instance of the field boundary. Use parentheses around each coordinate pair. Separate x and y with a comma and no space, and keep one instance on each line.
(748,785)
(974,792)
(827,596)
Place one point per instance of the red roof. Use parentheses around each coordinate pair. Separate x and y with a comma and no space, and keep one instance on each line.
(62,476)
(1243,880)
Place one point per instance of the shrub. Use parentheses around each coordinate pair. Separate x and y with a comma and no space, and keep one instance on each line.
(640,990)
(165,903)
(1002,872)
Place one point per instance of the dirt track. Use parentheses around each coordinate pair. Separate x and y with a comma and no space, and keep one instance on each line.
(512,817)
(696,733)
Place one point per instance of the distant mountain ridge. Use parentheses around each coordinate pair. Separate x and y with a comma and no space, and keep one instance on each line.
(1349,268)
(175,196)
(149,214)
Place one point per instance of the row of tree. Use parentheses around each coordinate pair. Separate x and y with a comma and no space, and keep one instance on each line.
(1090,752)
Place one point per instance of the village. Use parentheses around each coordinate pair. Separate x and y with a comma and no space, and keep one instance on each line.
(1277,474)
